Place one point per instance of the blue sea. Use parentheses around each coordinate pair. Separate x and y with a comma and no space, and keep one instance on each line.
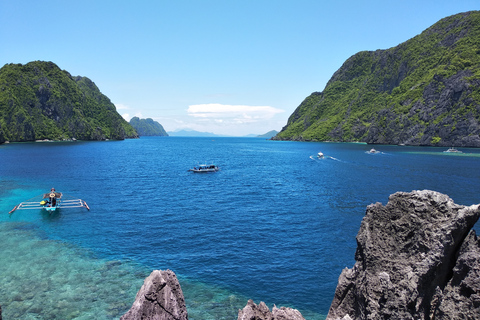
(275,224)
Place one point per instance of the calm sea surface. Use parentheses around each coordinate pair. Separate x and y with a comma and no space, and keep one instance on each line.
(275,224)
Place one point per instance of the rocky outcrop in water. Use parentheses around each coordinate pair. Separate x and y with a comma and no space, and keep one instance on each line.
(160,298)
(416,258)
(261,312)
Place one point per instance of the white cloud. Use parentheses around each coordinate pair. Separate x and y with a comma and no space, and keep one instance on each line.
(223,113)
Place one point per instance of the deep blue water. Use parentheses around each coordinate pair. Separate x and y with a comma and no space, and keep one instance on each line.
(274,225)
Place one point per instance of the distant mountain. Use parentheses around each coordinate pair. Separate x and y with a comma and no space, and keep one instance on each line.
(268,135)
(192,133)
(425,91)
(40,101)
(147,127)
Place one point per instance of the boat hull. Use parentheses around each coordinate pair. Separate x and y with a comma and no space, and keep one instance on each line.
(205,168)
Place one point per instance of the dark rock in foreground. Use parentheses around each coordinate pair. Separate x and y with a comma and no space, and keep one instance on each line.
(261,312)
(160,298)
(416,258)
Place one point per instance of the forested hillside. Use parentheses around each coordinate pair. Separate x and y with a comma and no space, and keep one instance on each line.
(38,100)
(147,127)
(425,91)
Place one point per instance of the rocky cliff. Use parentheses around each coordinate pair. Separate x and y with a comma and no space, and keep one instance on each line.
(38,100)
(425,91)
(148,127)
(416,258)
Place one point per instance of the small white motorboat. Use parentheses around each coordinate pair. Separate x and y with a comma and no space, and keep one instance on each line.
(373,151)
(453,150)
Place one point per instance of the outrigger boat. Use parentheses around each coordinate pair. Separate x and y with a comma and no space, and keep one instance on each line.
(205,168)
(50,202)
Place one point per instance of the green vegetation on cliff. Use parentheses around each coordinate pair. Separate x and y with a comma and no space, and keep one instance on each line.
(147,127)
(425,91)
(38,100)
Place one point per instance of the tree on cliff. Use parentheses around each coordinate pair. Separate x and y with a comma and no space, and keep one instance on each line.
(425,91)
(38,100)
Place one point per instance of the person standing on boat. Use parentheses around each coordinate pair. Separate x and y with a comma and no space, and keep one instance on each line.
(53,199)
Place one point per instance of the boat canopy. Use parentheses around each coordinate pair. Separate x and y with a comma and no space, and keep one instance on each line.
(57,195)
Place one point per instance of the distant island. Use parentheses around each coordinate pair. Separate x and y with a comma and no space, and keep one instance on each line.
(193,133)
(148,127)
(425,91)
(268,135)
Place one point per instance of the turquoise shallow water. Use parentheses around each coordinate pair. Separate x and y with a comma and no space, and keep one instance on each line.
(275,224)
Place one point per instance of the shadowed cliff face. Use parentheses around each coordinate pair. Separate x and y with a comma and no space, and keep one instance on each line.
(417,258)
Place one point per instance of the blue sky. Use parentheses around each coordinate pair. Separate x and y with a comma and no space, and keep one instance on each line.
(228,67)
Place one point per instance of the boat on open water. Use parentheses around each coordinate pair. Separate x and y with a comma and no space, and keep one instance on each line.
(373,151)
(50,201)
(203,168)
(453,150)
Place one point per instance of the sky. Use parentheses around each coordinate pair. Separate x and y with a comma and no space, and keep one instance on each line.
(231,67)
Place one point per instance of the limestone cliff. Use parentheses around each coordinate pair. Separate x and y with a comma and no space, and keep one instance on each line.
(40,101)
(416,258)
(148,127)
(425,91)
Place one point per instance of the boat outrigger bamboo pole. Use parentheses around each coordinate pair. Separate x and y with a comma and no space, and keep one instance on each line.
(14,208)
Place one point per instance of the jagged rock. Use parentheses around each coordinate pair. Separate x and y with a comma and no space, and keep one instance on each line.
(461,297)
(261,312)
(159,298)
(413,262)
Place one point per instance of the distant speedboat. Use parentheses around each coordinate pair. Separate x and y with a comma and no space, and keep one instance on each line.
(320,155)
(453,150)
(203,168)
(373,151)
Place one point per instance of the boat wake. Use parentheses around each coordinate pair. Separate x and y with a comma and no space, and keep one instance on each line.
(316,158)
